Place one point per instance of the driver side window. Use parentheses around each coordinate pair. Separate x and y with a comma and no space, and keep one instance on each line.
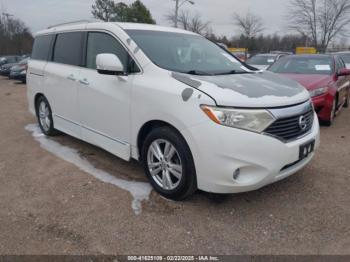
(101,43)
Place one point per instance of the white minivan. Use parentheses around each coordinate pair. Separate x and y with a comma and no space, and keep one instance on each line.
(193,114)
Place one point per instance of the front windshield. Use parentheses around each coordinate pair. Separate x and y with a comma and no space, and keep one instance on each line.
(261,60)
(186,53)
(303,65)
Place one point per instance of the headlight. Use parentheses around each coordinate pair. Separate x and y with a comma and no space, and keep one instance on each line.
(318,91)
(252,120)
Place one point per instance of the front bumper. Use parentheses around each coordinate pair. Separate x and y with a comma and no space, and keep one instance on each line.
(219,151)
(323,106)
(17,76)
(5,72)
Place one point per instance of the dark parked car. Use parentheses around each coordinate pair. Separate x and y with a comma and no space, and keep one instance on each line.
(5,69)
(19,71)
(10,59)
(324,76)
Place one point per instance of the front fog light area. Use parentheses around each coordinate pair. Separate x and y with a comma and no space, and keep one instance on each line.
(255,120)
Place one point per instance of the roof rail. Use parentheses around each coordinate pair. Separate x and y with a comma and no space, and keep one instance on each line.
(69,23)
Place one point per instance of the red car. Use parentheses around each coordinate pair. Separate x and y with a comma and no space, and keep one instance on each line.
(324,76)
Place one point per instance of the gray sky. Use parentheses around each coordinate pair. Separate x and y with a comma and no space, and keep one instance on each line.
(39,14)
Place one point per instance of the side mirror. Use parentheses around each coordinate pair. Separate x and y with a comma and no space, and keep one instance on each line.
(109,64)
(343,72)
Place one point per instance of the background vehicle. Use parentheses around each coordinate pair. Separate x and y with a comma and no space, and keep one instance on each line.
(263,61)
(9,59)
(19,71)
(192,113)
(6,68)
(346,58)
(324,76)
(240,53)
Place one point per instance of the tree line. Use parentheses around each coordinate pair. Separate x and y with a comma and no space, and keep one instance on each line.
(110,11)
(15,37)
(315,23)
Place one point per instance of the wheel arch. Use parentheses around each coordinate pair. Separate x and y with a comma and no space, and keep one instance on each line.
(148,127)
(37,96)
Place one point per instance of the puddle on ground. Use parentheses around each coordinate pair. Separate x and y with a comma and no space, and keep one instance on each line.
(139,190)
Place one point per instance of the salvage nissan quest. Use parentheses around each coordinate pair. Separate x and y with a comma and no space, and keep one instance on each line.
(193,114)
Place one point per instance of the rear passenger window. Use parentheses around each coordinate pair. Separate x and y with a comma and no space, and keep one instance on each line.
(41,47)
(101,43)
(68,48)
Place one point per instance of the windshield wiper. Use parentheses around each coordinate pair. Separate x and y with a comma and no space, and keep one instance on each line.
(197,72)
(232,72)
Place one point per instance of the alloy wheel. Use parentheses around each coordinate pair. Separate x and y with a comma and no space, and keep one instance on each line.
(44,116)
(164,164)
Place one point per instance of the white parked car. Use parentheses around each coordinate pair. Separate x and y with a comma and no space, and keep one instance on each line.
(192,113)
(264,61)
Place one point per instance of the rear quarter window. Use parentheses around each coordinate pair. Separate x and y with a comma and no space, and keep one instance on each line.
(69,48)
(41,47)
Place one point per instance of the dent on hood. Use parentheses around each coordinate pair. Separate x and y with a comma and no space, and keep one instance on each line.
(255,85)
(263,89)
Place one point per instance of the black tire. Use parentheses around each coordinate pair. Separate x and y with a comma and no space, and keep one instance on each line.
(187,185)
(49,130)
(347,102)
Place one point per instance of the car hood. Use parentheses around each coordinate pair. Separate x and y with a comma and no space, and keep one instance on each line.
(18,68)
(261,89)
(310,82)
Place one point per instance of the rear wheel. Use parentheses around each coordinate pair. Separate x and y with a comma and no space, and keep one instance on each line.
(168,163)
(44,115)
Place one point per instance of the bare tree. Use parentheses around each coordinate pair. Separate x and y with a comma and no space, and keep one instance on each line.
(190,22)
(250,24)
(183,19)
(15,35)
(199,26)
(321,20)
(103,10)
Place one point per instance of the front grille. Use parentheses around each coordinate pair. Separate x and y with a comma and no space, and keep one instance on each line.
(289,128)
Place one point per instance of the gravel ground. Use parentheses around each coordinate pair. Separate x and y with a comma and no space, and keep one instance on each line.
(49,206)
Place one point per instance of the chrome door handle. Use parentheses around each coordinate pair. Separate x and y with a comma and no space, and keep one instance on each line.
(84,81)
(71,77)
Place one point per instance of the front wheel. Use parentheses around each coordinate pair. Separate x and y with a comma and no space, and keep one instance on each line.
(347,102)
(332,113)
(168,163)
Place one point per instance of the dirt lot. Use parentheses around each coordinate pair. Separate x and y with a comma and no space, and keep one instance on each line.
(50,206)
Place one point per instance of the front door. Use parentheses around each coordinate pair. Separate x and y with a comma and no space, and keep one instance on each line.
(104,100)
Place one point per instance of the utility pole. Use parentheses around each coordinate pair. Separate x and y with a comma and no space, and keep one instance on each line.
(7,15)
(178,4)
